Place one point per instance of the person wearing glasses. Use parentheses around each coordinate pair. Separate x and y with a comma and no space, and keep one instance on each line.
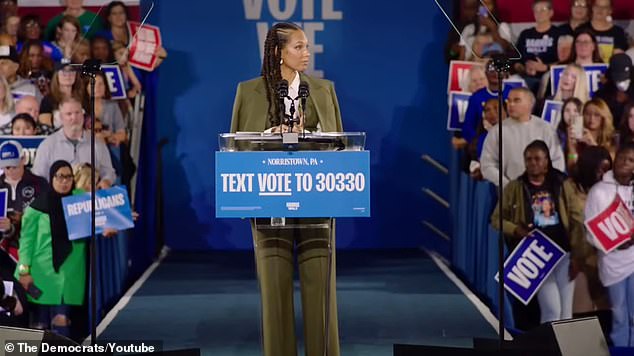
(610,37)
(579,15)
(52,268)
(72,143)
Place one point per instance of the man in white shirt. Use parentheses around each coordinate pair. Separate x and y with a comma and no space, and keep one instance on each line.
(520,129)
(72,144)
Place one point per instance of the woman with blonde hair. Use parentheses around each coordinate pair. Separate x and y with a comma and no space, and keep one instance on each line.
(6,102)
(598,129)
(573,83)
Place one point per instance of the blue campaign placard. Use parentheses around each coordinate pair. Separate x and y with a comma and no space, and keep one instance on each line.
(112,211)
(29,146)
(510,84)
(4,201)
(115,81)
(458,102)
(552,111)
(593,75)
(293,184)
(532,261)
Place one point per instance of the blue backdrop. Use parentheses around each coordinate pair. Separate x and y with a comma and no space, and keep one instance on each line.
(386,60)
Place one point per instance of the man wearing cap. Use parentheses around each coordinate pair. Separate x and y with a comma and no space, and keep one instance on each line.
(618,91)
(9,64)
(22,187)
(72,144)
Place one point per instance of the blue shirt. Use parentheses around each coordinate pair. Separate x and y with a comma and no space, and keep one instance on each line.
(473,116)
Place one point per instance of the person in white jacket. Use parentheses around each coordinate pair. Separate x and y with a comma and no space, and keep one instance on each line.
(520,129)
(616,269)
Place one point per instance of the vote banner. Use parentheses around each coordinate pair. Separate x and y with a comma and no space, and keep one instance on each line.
(528,266)
(551,112)
(510,84)
(458,72)
(593,75)
(293,184)
(612,227)
(458,102)
(112,211)
(145,40)
(29,146)
(114,77)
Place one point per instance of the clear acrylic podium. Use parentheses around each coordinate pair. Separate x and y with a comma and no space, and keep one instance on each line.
(310,239)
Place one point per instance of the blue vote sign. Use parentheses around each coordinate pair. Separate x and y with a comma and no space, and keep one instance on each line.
(29,146)
(458,102)
(552,112)
(112,211)
(115,81)
(532,261)
(593,75)
(293,184)
(4,201)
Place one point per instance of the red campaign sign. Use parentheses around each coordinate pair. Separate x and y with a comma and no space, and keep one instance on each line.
(613,226)
(458,71)
(145,40)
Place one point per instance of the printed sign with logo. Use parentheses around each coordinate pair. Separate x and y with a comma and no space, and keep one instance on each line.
(29,146)
(112,210)
(552,112)
(145,40)
(532,261)
(510,84)
(611,227)
(458,103)
(293,184)
(4,201)
(458,73)
(593,75)
(115,81)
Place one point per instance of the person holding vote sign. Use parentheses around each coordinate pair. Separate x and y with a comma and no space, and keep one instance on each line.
(616,268)
(542,198)
(49,261)
(256,109)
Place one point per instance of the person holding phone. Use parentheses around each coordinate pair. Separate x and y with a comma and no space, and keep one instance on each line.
(52,268)
(486,23)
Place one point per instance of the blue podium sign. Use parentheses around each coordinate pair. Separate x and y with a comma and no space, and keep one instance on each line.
(528,266)
(293,184)
(112,211)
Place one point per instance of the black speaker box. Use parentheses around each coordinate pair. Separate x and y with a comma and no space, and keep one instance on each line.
(572,337)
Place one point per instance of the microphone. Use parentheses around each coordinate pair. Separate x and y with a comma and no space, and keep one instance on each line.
(282,89)
(282,93)
(303,93)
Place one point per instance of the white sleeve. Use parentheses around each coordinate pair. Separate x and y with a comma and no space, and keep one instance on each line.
(490,159)
(594,205)
(505,31)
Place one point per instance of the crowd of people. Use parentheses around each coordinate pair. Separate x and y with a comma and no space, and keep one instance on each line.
(556,175)
(43,94)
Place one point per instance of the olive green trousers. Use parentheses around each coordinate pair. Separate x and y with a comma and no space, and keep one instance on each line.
(275,248)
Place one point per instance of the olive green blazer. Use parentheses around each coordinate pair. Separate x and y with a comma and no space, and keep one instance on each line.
(250,108)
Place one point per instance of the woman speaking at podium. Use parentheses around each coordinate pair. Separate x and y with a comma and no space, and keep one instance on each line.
(257,109)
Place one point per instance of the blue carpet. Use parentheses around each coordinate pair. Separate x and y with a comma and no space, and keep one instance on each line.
(210,300)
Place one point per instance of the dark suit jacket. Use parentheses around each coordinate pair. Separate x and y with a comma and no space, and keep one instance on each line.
(250,108)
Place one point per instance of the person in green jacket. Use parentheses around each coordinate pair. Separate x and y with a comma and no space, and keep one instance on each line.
(48,259)
(257,109)
(542,198)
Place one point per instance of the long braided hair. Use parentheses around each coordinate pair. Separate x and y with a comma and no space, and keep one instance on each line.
(276,40)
